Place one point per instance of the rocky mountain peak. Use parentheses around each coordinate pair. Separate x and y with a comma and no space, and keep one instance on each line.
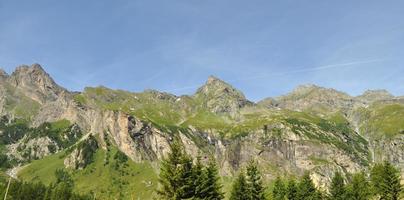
(215,83)
(311,96)
(375,95)
(214,86)
(214,80)
(35,82)
(306,88)
(220,97)
(3,75)
(312,91)
(35,71)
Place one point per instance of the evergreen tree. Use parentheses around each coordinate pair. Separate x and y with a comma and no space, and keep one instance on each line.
(187,187)
(240,189)
(254,182)
(386,181)
(62,191)
(38,191)
(176,175)
(197,173)
(376,178)
(359,188)
(279,190)
(306,189)
(337,189)
(209,187)
(62,176)
(291,190)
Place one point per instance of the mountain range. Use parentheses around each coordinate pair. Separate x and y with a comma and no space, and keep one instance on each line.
(112,140)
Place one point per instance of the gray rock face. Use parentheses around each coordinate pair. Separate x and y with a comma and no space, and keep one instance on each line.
(312,97)
(375,95)
(391,150)
(290,154)
(3,75)
(35,83)
(32,149)
(220,97)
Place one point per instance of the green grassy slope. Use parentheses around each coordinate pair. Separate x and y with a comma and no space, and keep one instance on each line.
(383,121)
(19,104)
(106,176)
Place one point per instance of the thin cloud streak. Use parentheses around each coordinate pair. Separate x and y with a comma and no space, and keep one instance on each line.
(301,70)
(310,69)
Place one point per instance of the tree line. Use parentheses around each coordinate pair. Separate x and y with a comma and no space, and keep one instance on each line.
(61,189)
(383,183)
(182,178)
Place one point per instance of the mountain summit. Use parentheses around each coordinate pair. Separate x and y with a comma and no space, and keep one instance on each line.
(375,95)
(309,97)
(36,83)
(220,97)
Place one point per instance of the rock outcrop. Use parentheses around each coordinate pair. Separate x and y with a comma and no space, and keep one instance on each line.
(83,154)
(220,97)
(312,97)
(375,95)
(35,83)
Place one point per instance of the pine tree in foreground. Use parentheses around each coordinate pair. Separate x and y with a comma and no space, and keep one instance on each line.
(307,190)
(176,176)
(291,190)
(209,187)
(337,188)
(254,182)
(197,173)
(240,189)
(359,188)
(385,180)
(279,190)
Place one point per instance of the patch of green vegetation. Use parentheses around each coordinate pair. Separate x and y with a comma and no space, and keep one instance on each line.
(336,132)
(12,131)
(4,160)
(150,106)
(42,170)
(110,176)
(205,120)
(60,125)
(62,132)
(117,179)
(80,99)
(161,113)
(17,130)
(338,118)
(19,104)
(318,160)
(383,121)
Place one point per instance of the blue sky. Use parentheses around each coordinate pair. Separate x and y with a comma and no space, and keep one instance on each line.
(262,47)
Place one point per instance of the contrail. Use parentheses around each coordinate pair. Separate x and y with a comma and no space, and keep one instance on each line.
(307,69)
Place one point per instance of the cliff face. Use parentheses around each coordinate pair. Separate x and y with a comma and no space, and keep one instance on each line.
(312,128)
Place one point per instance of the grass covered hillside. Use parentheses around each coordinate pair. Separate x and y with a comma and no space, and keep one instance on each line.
(383,121)
(111,175)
